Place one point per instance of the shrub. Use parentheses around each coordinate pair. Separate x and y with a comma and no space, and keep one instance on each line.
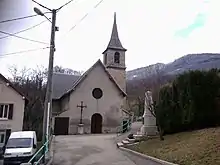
(191,101)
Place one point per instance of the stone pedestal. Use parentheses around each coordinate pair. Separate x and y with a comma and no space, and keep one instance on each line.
(80,128)
(149,128)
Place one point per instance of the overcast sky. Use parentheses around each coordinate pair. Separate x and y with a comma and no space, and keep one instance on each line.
(152,31)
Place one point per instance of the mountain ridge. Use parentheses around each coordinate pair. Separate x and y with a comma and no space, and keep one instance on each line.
(200,61)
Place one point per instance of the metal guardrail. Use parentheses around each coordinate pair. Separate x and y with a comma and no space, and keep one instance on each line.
(125,127)
(38,156)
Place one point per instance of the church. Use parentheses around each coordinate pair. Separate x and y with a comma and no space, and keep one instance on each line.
(96,101)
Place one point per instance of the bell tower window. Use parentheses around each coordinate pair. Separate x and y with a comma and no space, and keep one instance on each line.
(117,58)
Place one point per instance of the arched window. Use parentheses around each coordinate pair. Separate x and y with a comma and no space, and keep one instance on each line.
(117,58)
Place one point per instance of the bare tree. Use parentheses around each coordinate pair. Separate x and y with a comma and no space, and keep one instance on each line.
(136,105)
(31,83)
(61,69)
(13,70)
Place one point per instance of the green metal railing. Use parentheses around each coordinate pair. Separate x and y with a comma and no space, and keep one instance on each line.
(40,154)
(125,127)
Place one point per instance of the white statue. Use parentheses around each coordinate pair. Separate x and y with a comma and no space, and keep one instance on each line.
(148,105)
(149,128)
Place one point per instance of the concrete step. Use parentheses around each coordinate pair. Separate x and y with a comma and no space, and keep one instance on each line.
(131,140)
(120,144)
(132,144)
(125,142)
(137,136)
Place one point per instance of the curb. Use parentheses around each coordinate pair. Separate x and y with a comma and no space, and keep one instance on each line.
(163,162)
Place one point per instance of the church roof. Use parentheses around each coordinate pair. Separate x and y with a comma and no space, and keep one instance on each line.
(74,81)
(115,42)
(62,83)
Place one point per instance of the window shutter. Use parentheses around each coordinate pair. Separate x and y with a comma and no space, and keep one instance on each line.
(10,114)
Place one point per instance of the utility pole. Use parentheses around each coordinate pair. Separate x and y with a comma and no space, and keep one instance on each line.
(48,97)
(47,119)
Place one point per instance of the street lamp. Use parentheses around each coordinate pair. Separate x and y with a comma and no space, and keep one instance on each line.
(39,12)
(48,97)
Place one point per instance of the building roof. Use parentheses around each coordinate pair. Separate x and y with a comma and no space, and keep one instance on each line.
(62,83)
(12,86)
(115,42)
(76,82)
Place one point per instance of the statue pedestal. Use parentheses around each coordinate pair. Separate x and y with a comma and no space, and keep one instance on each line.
(149,128)
(80,128)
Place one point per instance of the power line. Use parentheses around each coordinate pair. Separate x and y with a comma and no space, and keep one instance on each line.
(24,51)
(20,18)
(98,4)
(24,38)
(78,22)
(15,19)
(31,50)
(24,30)
(41,5)
(85,16)
(65,4)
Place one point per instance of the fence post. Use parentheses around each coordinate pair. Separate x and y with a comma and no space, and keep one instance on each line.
(44,150)
(47,143)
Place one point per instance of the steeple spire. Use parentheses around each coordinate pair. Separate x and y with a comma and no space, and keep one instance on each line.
(115,42)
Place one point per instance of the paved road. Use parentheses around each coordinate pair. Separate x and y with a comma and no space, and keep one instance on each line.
(92,150)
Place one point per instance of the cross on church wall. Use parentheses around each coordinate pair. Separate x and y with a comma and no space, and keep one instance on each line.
(81,106)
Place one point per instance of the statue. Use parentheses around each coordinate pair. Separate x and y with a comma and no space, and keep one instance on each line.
(149,127)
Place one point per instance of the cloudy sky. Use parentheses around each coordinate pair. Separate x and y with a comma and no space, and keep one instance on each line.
(152,31)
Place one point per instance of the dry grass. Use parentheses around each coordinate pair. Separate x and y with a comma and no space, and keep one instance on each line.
(200,147)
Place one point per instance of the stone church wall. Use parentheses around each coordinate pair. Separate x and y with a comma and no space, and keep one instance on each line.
(109,105)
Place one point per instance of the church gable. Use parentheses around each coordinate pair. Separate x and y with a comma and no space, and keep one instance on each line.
(94,68)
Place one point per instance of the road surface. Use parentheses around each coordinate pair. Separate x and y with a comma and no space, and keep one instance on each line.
(92,150)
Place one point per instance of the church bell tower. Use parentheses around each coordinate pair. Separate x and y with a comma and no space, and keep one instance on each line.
(114,57)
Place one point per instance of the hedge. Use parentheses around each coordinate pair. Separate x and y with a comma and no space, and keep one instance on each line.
(191,101)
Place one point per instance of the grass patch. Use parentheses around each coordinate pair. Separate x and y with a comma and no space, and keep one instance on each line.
(200,147)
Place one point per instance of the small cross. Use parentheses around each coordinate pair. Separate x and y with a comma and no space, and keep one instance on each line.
(81,106)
